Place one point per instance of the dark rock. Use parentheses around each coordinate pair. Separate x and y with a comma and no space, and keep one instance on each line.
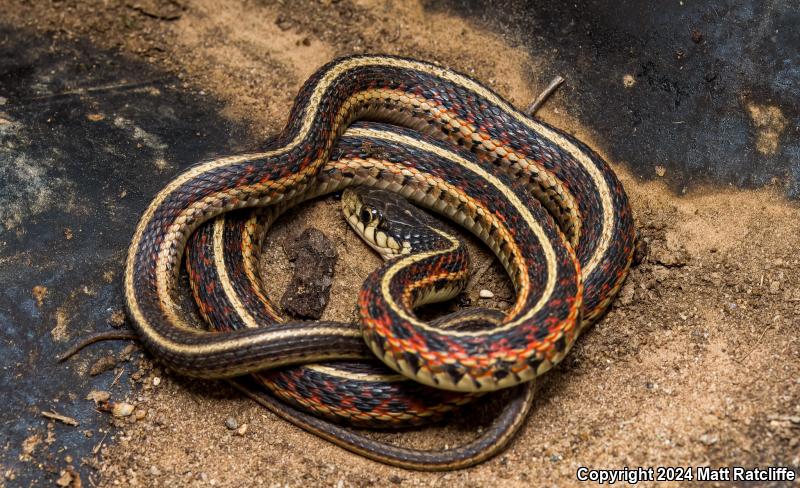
(314,258)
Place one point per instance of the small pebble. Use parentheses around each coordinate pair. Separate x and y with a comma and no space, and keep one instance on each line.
(231,423)
(156,381)
(126,352)
(98,396)
(485,294)
(242,429)
(122,409)
(709,440)
(117,318)
(628,81)
(39,292)
(102,365)
(627,294)
(65,479)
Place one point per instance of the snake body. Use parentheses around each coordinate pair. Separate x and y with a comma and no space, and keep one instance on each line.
(222,264)
(222,259)
(564,275)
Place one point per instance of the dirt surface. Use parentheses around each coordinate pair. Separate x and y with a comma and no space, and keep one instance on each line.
(697,364)
(699,89)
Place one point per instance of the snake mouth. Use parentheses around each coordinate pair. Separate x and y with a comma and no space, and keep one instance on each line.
(368,221)
(392,226)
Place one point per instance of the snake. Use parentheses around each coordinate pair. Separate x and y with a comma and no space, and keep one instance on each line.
(573,183)
(563,231)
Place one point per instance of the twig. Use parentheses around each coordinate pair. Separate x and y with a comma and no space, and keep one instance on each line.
(758,343)
(544,95)
(84,91)
(155,15)
(96,448)
(114,335)
(61,418)
(122,370)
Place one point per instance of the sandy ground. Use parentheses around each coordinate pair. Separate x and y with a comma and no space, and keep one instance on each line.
(697,364)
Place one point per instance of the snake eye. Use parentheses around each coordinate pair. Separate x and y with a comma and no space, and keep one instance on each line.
(365,216)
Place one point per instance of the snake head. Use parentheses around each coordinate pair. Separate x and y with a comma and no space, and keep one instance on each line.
(387,222)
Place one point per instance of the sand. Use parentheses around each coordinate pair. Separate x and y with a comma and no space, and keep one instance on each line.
(697,363)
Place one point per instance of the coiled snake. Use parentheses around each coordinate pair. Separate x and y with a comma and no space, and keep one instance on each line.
(552,210)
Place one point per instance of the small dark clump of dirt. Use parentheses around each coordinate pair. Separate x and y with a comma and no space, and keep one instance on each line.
(314,257)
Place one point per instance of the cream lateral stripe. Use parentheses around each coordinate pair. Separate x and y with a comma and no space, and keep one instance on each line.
(266,337)
(582,158)
(547,248)
(603,190)
(222,272)
(351,375)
